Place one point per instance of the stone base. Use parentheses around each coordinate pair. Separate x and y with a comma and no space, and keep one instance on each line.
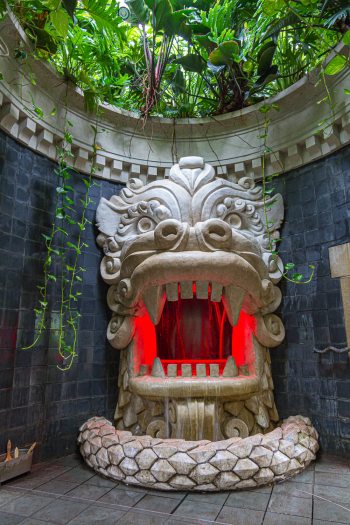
(176,464)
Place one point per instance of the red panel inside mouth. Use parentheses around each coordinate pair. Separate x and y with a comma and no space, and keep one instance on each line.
(198,331)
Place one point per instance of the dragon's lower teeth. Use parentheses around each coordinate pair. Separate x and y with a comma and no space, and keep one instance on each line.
(185,369)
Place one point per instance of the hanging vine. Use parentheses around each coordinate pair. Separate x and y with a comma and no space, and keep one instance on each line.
(64,245)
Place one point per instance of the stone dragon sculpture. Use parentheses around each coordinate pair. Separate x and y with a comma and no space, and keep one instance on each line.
(192,236)
(192,277)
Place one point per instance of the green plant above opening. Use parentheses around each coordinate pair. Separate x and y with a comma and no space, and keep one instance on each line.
(184,58)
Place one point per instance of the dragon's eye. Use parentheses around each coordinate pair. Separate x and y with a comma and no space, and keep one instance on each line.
(145,224)
(234,220)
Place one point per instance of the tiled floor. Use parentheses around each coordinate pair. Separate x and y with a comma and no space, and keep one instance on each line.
(65,491)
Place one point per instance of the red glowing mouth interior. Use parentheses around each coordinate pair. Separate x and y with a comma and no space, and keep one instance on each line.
(195,331)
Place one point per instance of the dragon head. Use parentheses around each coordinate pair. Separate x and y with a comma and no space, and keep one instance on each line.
(192,272)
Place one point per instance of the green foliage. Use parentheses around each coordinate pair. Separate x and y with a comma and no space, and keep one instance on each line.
(336,65)
(215,56)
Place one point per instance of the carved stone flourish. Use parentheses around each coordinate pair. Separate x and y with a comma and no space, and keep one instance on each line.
(162,241)
(232,464)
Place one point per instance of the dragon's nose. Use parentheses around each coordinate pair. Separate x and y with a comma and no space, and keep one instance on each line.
(168,233)
(216,234)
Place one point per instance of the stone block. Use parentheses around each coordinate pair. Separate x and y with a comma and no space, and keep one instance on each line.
(224,460)
(279,464)
(182,483)
(162,470)
(226,480)
(261,456)
(245,468)
(129,466)
(204,473)
(115,454)
(146,458)
(182,463)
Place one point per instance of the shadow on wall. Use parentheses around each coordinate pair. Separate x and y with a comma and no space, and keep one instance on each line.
(38,402)
(317,217)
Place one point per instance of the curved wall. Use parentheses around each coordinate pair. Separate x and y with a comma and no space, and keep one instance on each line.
(39,402)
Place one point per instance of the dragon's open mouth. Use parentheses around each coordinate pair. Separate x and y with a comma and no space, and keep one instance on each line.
(198,333)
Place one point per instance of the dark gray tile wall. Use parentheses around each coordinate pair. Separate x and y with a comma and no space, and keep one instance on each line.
(317,200)
(38,402)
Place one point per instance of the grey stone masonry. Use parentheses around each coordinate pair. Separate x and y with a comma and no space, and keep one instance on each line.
(176,464)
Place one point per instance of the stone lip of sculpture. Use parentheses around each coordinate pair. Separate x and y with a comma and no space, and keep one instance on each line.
(176,464)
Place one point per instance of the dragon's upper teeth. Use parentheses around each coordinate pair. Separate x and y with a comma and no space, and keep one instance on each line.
(202,289)
(232,299)
(154,299)
(216,292)
(172,291)
(186,290)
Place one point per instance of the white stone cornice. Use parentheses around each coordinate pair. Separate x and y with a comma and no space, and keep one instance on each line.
(132,148)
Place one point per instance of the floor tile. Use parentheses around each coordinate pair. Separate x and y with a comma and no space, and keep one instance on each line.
(333,494)
(72,461)
(218,498)
(34,521)
(299,490)
(248,500)
(272,518)
(98,516)
(240,516)
(56,487)
(307,476)
(177,520)
(336,479)
(53,471)
(323,510)
(173,494)
(140,518)
(10,519)
(28,504)
(76,474)
(30,481)
(134,488)
(60,511)
(128,498)
(190,509)
(264,490)
(332,463)
(322,522)
(286,504)
(8,495)
(157,503)
(91,492)
(99,481)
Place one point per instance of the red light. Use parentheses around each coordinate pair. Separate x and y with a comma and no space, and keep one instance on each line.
(242,340)
(145,340)
(194,331)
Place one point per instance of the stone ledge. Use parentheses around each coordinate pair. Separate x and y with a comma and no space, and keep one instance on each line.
(130,147)
(176,464)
